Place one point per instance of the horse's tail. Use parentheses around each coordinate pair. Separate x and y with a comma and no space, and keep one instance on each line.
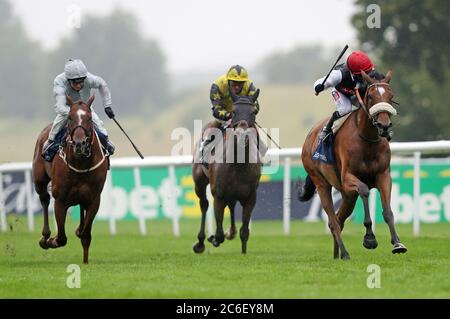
(306,189)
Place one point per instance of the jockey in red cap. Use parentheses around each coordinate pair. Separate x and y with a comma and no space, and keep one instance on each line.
(343,80)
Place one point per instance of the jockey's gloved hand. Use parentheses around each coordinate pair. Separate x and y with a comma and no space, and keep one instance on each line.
(109,112)
(319,88)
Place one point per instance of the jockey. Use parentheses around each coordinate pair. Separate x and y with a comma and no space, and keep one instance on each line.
(237,81)
(77,82)
(343,79)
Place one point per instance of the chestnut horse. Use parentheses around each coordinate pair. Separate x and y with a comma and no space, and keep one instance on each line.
(77,174)
(234,177)
(363,157)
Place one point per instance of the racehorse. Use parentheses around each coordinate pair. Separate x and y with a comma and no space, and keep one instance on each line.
(363,157)
(77,174)
(231,180)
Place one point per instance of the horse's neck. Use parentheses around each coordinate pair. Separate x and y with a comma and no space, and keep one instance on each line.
(365,127)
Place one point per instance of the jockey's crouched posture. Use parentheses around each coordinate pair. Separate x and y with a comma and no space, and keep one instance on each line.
(77,82)
(237,81)
(344,79)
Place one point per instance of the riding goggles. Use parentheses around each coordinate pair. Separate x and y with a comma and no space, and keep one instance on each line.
(78,80)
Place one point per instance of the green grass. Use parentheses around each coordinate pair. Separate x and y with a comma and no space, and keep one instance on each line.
(159,265)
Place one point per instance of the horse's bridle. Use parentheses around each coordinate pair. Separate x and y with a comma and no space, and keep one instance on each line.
(89,133)
(376,108)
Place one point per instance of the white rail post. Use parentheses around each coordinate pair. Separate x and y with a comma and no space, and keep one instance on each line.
(109,189)
(287,196)
(416,219)
(2,205)
(373,207)
(138,184)
(173,201)
(30,215)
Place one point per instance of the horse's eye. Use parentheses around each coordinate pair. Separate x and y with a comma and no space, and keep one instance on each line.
(369,97)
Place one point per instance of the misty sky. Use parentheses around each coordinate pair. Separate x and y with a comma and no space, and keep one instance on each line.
(205,34)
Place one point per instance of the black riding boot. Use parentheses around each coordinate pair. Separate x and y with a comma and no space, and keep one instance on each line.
(327,128)
(107,144)
(203,158)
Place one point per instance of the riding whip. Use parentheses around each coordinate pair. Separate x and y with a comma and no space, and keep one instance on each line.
(339,57)
(135,147)
(270,138)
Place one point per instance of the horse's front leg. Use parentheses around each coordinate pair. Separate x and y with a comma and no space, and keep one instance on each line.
(352,184)
(384,185)
(44,197)
(85,235)
(219,237)
(200,190)
(80,227)
(60,214)
(247,208)
(231,232)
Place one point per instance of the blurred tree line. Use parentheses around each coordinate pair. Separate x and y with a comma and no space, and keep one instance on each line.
(413,41)
(111,47)
(302,64)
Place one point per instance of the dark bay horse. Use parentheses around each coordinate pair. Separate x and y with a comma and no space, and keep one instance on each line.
(77,174)
(363,157)
(233,174)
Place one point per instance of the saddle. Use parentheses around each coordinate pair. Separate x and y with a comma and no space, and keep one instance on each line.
(324,151)
(340,121)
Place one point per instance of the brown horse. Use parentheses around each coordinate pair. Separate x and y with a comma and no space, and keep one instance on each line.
(233,177)
(77,174)
(363,157)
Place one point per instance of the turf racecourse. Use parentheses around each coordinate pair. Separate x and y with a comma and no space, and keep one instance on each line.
(159,265)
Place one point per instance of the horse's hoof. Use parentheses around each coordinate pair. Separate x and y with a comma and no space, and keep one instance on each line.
(52,243)
(229,235)
(370,242)
(213,241)
(399,248)
(78,233)
(345,256)
(43,243)
(199,248)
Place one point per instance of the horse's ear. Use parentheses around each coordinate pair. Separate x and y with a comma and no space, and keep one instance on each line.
(69,99)
(366,77)
(91,99)
(255,96)
(388,77)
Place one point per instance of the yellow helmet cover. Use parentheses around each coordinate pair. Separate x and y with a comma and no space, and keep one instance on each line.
(237,73)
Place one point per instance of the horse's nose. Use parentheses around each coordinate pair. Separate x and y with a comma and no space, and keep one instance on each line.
(384,127)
